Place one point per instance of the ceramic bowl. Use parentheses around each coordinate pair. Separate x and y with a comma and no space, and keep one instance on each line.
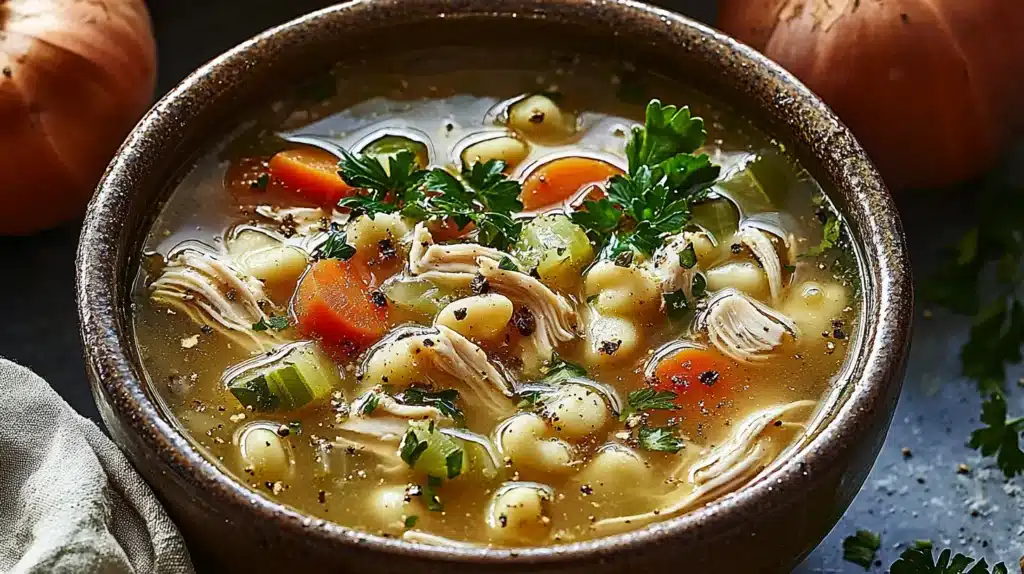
(766,527)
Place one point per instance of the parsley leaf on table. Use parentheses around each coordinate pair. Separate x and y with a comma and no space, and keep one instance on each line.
(661,439)
(919,560)
(1000,437)
(861,548)
(653,199)
(648,399)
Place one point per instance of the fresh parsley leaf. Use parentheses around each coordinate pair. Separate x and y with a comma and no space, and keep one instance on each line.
(494,190)
(411,520)
(261,182)
(430,492)
(560,370)
(661,439)
(995,341)
(829,239)
(276,323)
(528,400)
(381,190)
(443,401)
(336,247)
(648,399)
(507,264)
(688,257)
(919,560)
(667,132)
(600,218)
(370,404)
(1000,437)
(861,548)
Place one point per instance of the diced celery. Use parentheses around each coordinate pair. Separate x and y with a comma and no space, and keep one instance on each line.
(417,296)
(558,248)
(390,145)
(427,450)
(291,378)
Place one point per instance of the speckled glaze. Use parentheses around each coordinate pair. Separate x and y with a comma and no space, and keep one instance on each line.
(767,527)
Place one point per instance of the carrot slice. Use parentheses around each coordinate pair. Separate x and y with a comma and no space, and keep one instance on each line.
(560,179)
(699,377)
(312,173)
(333,304)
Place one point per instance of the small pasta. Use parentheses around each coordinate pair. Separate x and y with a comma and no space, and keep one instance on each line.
(577,412)
(813,306)
(521,439)
(519,514)
(613,467)
(622,291)
(611,340)
(508,149)
(540,119)
(481,317)
(264,452)
(390,505)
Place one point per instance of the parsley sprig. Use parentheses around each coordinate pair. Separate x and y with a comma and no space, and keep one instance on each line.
(918,559)
(648,399)
(653,200)
(481,195)
(997,330)
(660,439)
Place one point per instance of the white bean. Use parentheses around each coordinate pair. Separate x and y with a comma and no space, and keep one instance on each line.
(813,306)
(266,453)
(390,506)
(481,317)
(521,439)
(276,266)
(519,515)
(365,234)
(396,364)
(577,412)
(611,341)
(508,149)
(743,275)
(623,291)
(540,119)
(615,467)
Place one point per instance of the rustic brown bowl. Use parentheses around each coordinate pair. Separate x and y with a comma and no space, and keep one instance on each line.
(767,527)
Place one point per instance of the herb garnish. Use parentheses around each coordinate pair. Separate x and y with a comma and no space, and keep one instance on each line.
(919,560)
(434,503)
(648,399)
(336,247)
(653,199)
(411,520)
(861,548)
(276,323)
(997,332)
(443,401)
(661,439)
(381,190)
(1000,436)
(261,182)
(559,370)
(829,238)
(370,404)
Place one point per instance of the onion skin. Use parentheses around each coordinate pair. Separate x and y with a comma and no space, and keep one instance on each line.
(927,86)
(75,76)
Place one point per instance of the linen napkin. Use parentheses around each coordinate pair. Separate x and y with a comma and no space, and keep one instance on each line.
(69,500)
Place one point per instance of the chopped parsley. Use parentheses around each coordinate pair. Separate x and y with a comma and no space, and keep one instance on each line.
(648,399)
(434,503)
(918,559)
(653,200)
(370,404)
(261,182)
(560,370)
(507,264)
(443,401)
(688,257)
(411,520)
(336,247)
(276,323)
(660,439)
(861,548)
(1000,437)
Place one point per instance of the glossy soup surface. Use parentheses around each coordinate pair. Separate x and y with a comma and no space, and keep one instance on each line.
(671,383)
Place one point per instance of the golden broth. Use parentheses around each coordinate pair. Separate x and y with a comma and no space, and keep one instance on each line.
(450,98)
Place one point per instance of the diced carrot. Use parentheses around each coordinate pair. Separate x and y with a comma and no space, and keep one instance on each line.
(560,179)
(333,304)
(446,229)
(699,377)
(312,173)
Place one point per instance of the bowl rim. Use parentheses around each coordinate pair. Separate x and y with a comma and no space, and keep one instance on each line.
(111,365)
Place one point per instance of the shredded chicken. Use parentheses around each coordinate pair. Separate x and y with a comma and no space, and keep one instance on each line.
(760,244)
(386,404)
(456,356)
(451,264)
(213,292)
(752,448)
(667,268)
(743,328)
(555,318)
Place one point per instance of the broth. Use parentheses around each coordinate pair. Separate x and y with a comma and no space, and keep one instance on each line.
(682,398)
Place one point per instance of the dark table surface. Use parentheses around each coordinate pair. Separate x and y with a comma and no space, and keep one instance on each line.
(904,499)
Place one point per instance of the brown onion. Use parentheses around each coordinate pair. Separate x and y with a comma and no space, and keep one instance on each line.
(931,88)
(75,76)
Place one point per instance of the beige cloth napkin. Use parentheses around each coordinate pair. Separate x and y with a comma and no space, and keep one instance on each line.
(69,500)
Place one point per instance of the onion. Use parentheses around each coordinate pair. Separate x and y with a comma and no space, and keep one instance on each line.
(75,76)
(927,86)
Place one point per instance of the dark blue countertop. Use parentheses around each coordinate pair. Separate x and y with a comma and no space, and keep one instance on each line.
(905,498)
